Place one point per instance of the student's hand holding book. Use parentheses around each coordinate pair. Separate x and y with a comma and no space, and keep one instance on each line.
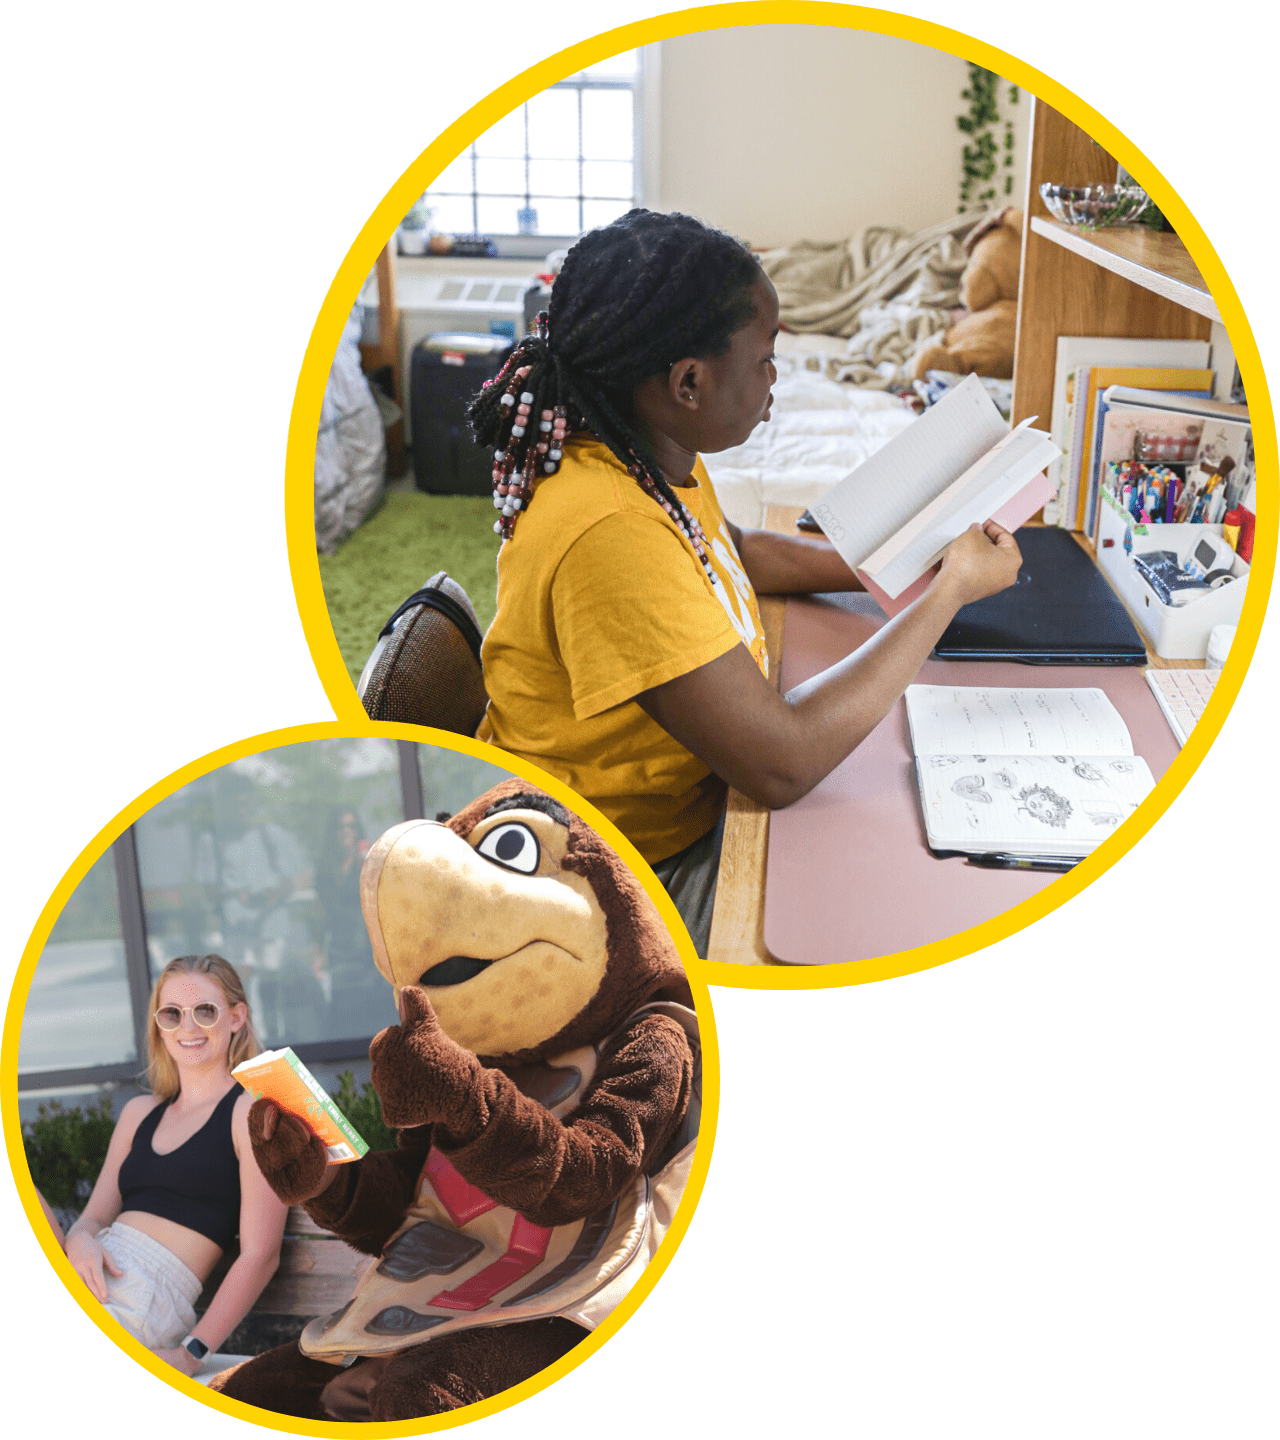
(289,1153)
(981,562)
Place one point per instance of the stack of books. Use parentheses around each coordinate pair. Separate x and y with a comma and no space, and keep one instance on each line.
(1137,424)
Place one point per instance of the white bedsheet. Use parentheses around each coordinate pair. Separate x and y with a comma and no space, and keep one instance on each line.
(819,430)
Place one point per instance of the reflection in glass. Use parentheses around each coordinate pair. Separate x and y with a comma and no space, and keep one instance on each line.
(451,781)
(258,861)
(232,863)
(78,1010)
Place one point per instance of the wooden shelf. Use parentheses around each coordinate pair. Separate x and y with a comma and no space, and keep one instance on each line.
(1158,261)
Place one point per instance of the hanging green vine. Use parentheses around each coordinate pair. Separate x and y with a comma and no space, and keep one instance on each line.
(984,158)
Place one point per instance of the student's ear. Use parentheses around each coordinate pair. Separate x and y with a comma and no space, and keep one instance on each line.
(239,1014)
(684,382)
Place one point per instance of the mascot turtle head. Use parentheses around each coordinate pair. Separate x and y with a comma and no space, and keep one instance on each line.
(527,932)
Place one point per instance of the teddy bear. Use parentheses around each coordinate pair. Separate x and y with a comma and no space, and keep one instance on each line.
(545,1083)
(981,342)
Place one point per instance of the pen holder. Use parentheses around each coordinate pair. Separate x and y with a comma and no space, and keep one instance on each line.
(1173,632)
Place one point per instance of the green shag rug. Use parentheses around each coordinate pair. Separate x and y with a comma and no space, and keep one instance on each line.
(396,551)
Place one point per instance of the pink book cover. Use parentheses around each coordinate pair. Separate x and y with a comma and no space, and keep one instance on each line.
(1011,515)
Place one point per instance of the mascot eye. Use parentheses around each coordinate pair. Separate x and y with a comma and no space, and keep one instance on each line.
(515,846)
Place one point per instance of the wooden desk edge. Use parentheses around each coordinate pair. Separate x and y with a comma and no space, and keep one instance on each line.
(737,922)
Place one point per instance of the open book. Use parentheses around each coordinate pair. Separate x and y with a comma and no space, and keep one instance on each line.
(1022,772)
(959,464)
(282,1077)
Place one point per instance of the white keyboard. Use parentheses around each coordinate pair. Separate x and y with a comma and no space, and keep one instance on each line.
(1182,694)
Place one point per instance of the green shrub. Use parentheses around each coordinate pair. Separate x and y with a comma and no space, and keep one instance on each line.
(66,1149)
(364,1110)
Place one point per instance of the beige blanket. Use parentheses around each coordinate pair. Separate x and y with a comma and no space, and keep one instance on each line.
(888,290)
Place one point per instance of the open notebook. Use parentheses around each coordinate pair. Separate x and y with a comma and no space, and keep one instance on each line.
(957,465)
(1022,772)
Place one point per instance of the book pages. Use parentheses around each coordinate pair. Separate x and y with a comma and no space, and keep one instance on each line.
(972,499)
(1059,805)
(977,720)
(877,499)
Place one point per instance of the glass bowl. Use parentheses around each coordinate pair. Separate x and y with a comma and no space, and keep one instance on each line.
(1092,207)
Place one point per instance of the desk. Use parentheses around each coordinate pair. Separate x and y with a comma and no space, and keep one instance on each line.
(737,927)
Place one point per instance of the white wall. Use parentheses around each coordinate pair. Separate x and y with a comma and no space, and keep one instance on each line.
(787,132)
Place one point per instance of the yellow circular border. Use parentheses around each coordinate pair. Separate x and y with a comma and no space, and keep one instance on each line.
(98,846)
(300,460)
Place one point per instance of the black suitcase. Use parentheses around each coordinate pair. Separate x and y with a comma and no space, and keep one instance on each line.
(445,371)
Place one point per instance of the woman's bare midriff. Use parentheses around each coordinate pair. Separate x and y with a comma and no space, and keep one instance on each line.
(197,1252)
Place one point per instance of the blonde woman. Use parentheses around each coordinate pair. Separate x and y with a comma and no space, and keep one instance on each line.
(180,1181)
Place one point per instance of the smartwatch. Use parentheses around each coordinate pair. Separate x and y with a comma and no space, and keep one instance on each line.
(197,1349)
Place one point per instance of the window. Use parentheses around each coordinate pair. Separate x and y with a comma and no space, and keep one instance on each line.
(565,161)
(260,862)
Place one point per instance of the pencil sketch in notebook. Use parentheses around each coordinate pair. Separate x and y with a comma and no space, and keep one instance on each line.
(873,503)
(1029,804)
(978,720)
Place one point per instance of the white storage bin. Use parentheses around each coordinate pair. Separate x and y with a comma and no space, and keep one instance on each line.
(1173,632)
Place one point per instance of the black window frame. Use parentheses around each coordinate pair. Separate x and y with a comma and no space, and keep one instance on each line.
(133,930)
(579,82)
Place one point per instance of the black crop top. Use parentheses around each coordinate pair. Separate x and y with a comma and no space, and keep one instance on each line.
(196,1185)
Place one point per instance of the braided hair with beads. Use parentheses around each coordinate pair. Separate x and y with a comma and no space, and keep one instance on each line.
(631,299)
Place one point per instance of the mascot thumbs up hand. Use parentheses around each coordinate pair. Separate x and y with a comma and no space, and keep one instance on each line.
(421,1076)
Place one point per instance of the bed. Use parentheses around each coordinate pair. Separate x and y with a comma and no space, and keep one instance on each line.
(820,429)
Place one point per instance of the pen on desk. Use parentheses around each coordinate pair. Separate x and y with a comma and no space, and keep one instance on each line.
(1058,864)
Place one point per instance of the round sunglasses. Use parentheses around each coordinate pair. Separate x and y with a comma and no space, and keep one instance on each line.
(169,1017)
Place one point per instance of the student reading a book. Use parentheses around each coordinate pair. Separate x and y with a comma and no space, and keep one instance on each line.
(180,1181)
(627,655)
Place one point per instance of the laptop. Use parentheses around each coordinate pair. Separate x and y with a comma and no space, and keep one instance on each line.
(1060,611)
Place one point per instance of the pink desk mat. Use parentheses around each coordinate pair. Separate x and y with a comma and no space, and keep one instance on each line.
(849,876)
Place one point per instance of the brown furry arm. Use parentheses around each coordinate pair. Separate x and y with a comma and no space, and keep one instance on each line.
(554,1171)
(366,1200)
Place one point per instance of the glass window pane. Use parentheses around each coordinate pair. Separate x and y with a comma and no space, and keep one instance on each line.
(608,178)
(555,216)
(454,215)
(260,862)
(500,177)
(451,781)
(504,138)
(454,177)
(553,177)
(601,212)
(608,131)
(78,1011)
(553,124)
(498,216)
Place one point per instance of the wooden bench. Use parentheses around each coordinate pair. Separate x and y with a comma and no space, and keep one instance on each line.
(317,1274)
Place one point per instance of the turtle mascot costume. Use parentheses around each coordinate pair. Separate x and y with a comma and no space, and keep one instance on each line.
(544,1082)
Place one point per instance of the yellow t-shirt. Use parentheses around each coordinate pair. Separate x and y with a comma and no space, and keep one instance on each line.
(601,597)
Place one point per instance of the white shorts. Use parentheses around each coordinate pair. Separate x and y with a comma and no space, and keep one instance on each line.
(155,1297)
